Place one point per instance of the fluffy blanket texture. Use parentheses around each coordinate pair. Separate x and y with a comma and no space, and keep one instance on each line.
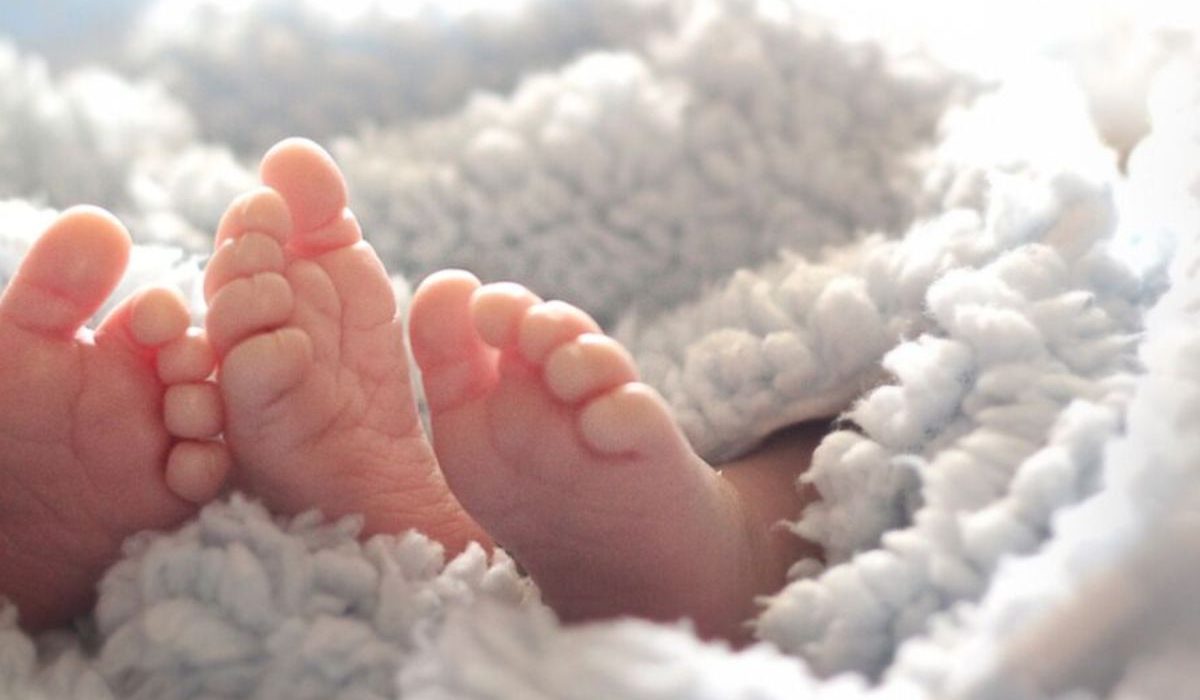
(783,218)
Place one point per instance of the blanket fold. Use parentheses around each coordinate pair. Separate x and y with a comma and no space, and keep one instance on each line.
(782,223)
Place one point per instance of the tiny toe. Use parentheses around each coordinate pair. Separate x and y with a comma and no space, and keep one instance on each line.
(193,410)
(186,359)
(550,324)
(497,310)
(587,366)
(242,257)
(197,470)
(246,306)
(158,316)
(315,192)
(261,210)
(68,273)
(260,369)
(145,320)
(632,418)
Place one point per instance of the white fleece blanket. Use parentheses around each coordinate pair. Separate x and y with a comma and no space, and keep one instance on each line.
(784,216)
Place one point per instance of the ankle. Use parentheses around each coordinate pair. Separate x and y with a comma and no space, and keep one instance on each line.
(763,491)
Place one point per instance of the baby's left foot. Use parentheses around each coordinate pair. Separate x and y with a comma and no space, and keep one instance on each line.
(101,435)
(548,439)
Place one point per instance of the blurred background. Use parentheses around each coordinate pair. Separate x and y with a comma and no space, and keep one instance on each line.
(68,32)
(1114,44)
(583,131)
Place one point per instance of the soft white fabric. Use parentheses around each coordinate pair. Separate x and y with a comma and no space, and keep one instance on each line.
(781,223)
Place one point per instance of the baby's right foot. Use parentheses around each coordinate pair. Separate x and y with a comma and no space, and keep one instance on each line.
(547,438)
(313,366)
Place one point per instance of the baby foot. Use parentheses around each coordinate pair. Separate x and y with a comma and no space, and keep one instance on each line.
(313,366)
(101,435)
(551,443)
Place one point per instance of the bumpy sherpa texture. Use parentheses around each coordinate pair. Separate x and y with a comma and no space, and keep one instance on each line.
(622,178)
(382,62)
(629,180)
(781,225)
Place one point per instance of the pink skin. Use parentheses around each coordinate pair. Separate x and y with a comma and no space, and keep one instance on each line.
(101,435)
(540,426)
(313,365)
(579,470)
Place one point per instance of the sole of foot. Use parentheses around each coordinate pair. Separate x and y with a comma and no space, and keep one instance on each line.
(102,434)
(579,470)
(313,362)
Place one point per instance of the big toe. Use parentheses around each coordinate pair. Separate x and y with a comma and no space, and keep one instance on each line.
(315,192)
(69,272)
(454,360)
